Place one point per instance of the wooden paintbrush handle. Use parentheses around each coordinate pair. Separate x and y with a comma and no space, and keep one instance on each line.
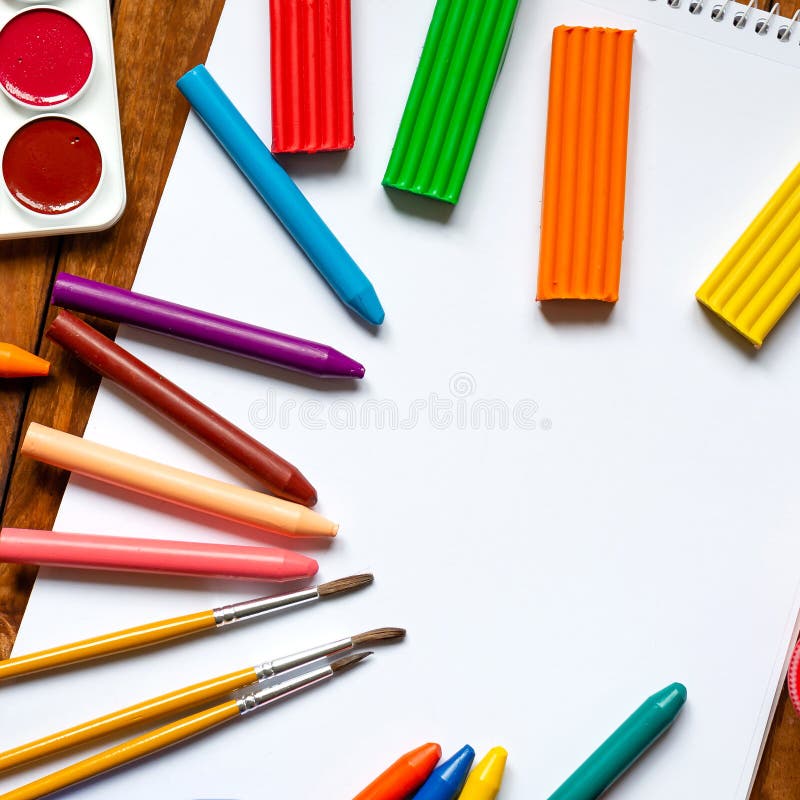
(110,644)
(174,703)
(126,752)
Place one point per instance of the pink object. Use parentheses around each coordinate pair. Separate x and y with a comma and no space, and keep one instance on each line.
(793,678)
(45,57)
(153,555)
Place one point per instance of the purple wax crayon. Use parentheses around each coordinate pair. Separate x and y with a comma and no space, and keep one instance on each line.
(200,327)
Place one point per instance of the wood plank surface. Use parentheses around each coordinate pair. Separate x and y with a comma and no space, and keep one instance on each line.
(155,43)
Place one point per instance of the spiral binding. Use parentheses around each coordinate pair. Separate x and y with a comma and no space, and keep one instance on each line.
(724,11)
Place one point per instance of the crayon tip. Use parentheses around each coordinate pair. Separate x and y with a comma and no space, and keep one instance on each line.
(338,365)
(18,363)
(426,755)
(447,780)
(297,566)
(299,490)
(484,781)
(404,776)
(671,698)
(367,305)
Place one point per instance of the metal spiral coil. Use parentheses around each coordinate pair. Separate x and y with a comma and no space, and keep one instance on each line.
(761,21)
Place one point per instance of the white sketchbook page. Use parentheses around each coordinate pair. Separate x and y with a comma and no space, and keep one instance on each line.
(644,532)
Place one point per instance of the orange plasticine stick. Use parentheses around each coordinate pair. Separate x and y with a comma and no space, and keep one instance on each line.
(583,198)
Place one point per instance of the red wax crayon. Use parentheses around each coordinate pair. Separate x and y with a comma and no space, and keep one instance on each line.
(113,362)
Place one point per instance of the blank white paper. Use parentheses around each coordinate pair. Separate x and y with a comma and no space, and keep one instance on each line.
(567,509)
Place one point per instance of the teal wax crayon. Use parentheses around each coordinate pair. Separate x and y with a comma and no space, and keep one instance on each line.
(624,746)
(448,779)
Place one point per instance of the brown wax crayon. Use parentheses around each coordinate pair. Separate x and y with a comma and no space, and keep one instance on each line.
(115,363)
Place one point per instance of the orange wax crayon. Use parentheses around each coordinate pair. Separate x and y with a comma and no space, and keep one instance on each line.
(406,775)
(586,153)
(18,363)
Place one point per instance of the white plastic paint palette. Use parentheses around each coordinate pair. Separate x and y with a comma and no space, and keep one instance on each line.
(61,169)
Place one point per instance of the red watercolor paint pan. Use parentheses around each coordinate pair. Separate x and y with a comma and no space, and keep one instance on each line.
(60,143)
(46,58)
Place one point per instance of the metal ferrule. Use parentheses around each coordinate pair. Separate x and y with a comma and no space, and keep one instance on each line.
(227,615)
(270,668)
(254,700)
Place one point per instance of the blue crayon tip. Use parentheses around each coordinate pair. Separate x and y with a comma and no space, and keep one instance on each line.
(447,780)
(367,306)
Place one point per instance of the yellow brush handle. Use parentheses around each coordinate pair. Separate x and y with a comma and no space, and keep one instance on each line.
(111,643)
(126,752)
(174,703)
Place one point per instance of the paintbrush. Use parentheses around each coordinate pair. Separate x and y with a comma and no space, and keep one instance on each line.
(165,630)
(183,700)
(176,732)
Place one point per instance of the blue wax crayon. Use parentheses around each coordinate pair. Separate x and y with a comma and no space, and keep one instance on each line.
(447,780)
(280,193)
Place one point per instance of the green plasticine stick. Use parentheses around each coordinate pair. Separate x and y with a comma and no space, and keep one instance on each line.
(462,56)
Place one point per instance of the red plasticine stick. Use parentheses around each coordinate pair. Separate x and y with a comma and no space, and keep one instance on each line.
(312,77)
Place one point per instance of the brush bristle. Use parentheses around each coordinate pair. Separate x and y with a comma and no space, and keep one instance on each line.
(344,585)
(378,635)
(349,661)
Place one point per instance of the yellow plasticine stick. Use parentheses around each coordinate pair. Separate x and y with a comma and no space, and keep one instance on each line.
(759,278)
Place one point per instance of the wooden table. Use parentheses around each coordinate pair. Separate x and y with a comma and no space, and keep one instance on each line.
(155,42)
